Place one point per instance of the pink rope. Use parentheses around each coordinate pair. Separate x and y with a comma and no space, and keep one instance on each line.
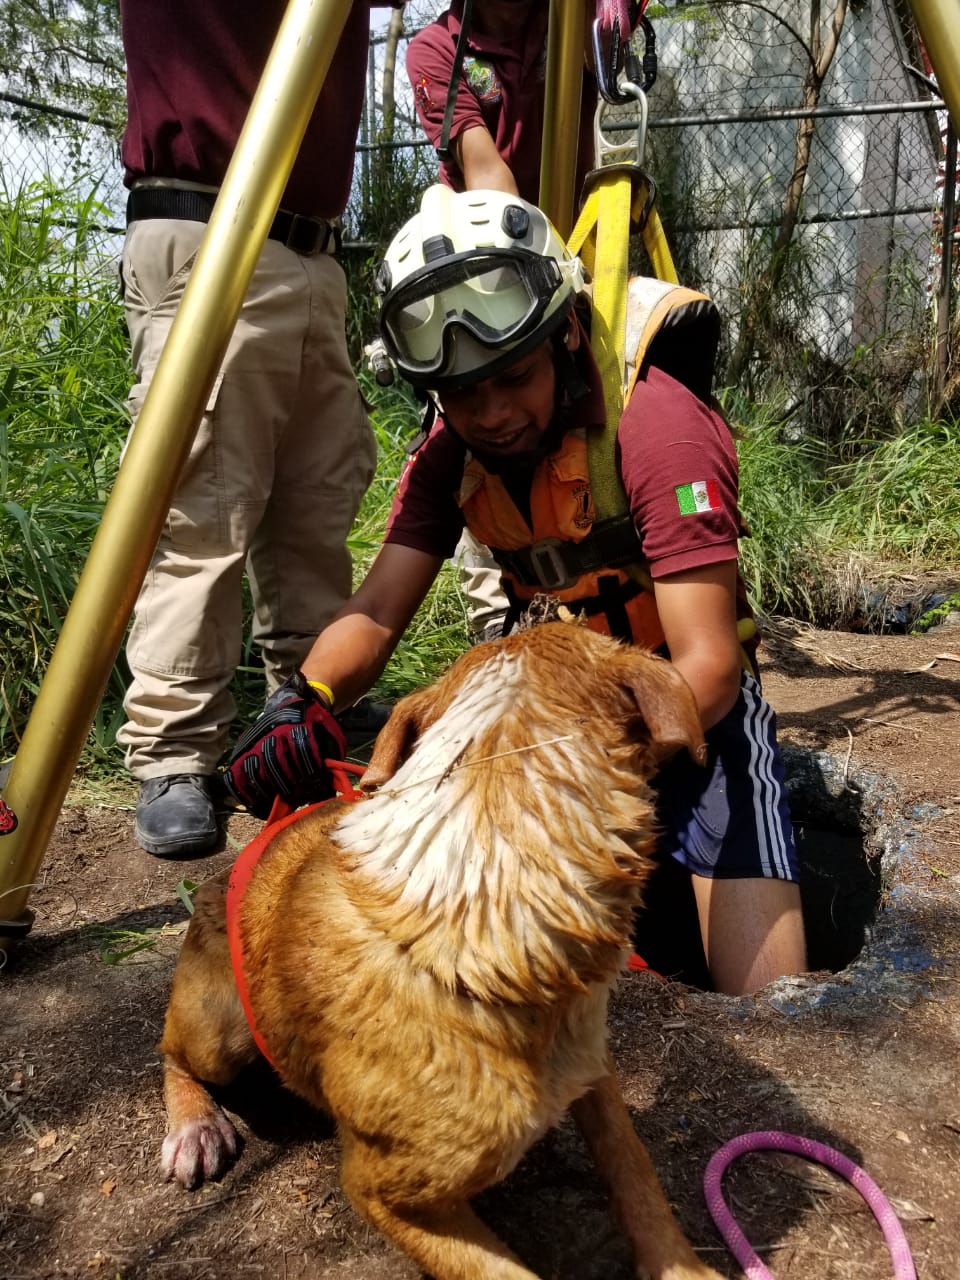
(772,1140)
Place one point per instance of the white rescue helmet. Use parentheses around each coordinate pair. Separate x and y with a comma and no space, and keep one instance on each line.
(470,284)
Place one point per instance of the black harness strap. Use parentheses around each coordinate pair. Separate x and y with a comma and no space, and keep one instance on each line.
(613,604)
(516,608)
(554,564)
(443,148)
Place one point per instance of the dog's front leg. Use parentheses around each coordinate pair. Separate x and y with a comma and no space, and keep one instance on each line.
(205,1037)
(450,1242)
(659,1246)
(200,1140)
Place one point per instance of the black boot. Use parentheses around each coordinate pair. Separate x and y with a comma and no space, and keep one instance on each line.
(175,816)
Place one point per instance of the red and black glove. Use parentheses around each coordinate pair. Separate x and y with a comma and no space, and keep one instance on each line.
(283,753)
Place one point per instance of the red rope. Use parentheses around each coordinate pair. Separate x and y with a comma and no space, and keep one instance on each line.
(281,815)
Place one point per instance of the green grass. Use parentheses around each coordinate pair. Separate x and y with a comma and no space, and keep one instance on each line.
(64,370)
(823,532)
(781,489)
(901,497)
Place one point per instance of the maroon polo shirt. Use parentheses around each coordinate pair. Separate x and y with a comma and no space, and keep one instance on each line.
(193,67)
(667,441)
(501,89)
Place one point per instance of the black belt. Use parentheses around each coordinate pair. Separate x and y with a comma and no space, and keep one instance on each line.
(301,234)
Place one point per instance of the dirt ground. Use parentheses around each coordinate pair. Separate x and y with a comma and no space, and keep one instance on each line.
(865,1059)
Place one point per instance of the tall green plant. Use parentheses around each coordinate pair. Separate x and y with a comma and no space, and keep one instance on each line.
(65,371)
(781,488)
(900,500)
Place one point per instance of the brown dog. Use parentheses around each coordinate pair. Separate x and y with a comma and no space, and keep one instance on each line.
(440,981)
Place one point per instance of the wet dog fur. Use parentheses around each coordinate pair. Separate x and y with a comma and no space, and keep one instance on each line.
(432,965)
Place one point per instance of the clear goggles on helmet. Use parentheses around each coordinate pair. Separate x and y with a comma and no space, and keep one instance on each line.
(496,295)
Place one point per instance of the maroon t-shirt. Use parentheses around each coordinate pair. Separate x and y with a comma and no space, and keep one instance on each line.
(501,89)
(669,442)
(193,67)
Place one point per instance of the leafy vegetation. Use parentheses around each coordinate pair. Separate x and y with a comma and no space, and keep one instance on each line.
(833,528)
(64,371)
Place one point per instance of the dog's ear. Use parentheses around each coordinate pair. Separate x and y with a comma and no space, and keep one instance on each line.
(397,738)
(668,707)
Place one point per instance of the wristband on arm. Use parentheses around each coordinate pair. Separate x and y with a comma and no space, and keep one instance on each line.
(324,690)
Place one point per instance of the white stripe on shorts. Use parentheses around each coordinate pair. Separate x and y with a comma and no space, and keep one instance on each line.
(766,789)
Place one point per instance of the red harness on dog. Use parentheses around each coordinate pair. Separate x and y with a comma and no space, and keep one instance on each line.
(242,873)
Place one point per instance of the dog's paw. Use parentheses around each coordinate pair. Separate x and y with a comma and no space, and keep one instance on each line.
(201,1148)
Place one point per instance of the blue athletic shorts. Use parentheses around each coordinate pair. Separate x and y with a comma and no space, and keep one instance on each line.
(730,820)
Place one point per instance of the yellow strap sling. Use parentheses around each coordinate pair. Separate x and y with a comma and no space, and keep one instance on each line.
(620,197)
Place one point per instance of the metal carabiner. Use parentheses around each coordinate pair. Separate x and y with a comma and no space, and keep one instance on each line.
(649,64)
(608,63)
(617,152)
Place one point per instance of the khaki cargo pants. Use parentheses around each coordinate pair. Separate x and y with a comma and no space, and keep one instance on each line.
(282,458)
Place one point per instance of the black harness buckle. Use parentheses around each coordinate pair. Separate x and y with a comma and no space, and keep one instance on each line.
(549,565)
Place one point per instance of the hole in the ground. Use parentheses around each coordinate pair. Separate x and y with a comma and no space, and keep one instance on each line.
(840,891)
(840,884)
(840,888)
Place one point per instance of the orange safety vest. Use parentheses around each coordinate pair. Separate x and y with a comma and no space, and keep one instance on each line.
(562,512)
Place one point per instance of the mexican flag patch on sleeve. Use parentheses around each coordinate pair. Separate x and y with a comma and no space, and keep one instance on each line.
(700,496)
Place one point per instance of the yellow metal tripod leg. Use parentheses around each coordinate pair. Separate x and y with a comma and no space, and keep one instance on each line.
(939,24)
(561,114)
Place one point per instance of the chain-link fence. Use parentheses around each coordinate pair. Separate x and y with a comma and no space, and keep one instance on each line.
(799,187)
(797,182)
(63,150)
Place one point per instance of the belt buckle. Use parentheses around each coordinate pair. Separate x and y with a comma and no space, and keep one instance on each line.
(548,564)
(307,236)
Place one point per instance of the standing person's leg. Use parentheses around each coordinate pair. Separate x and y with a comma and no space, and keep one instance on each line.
(186,637)
(299,565)
(729,826)
(487,604)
